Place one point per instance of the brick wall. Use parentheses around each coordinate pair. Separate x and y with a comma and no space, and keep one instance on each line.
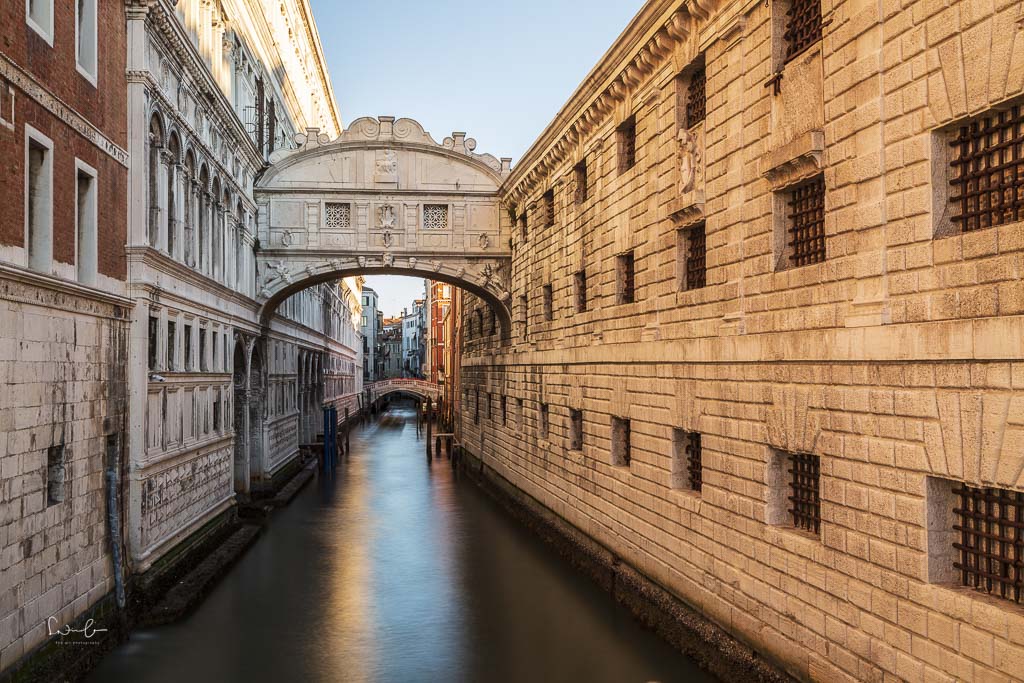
(895,360)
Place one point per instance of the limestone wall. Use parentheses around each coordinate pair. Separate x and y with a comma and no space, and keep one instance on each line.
(894,360)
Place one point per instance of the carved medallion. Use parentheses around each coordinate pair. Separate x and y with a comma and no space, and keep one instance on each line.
(386,219)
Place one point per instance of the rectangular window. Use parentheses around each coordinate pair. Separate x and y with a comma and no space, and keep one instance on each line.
(85,218)
(989,527)
(804,487)
(626,141)
(202,350)
(692,254)
(216,410)
(987,170)
(435,216)
(39,16)
(575,430)
(487,400)
(803,27)
(805,219)
(621,455)
(686,460)
(696,98)
(549,208)
(85,38)
(504,410)
(522,226)
(625,272)
(38,200)
(172,336)
(55,475)
(580,286)
(523,314)
(548,303)
(580,176)
(337,215)
(153,341)
(476,407)
(542,418)
(187,343)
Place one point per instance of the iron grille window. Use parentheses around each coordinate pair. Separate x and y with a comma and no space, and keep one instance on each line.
(338,214)
(621,455)
(626,271)
(549,208)
(991,546)
(807,222)
(626,135)
(580,284)
(435,216)
(580,173)
(693,463)
(575,430)
(803,27)
(696,99)
(548,303)
(988,170)
(696,257)
(804,498)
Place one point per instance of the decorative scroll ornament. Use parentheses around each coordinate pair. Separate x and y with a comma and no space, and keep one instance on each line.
(485,241)
(689,160)
(386,217)
(388,238)
(286,238)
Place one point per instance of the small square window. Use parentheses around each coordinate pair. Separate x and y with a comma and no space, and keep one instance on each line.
(621,455)
(626,137)
(435,216)
(696,98)
(580,287)
(687,470)
(580,177)
(575,430)
(625,271)
(548,303)
(337,215)
(794,481)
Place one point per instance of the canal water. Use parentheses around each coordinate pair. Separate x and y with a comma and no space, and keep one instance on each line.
(396,570)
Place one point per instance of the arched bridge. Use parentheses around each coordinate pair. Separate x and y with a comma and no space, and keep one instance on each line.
(418,387)
(383,197)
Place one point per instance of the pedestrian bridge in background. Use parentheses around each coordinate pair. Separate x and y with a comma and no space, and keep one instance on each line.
(383,198)
(418,387)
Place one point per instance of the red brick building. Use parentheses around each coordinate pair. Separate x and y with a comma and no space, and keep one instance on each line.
(63,321)
(440,303)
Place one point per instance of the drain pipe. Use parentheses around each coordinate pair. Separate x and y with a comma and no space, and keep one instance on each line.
(113,477)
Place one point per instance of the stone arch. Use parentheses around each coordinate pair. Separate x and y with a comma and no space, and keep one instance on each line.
(383,198)
(240,386)
(257,395)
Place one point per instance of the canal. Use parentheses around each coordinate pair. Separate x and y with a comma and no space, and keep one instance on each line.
(397,570)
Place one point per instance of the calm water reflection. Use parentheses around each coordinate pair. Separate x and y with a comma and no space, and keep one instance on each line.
(397,571)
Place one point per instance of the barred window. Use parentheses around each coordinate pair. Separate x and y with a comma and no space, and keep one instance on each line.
(435,216)
(687,471)
(696,99)
(549,208)
(522,225)
(575,430)
(580,285)
(803,27)
(626,136)
(990,523)
(549,313)
(580,174)
(806,222)
(621,455)
(988,170)
(804,498)
(692,252)
(338,215)
(625,269)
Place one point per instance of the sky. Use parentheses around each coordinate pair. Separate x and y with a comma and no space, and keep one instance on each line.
(499,71)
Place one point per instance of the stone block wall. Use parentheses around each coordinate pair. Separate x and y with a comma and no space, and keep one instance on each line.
(895,361)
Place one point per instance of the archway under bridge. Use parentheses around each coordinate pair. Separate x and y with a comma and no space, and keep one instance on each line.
(383,198)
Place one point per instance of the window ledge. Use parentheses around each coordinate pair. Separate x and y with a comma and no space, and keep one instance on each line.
(794,162)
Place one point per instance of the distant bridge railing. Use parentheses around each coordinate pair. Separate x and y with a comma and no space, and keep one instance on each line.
(419,387)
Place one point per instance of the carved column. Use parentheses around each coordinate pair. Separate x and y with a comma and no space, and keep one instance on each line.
(163,172)
(177,201)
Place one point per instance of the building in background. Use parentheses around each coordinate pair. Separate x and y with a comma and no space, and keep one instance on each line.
(372,323)
(64,330)
(391,348)
(414,331)
(440,301)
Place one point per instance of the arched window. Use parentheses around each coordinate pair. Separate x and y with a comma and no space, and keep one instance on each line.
(173,217)
(156,143)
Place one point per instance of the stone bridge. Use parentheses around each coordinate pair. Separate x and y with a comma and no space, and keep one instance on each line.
(418,387)
(383,198)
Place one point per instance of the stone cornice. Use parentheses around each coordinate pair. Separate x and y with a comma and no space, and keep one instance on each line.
(152,258)
(321,63)
(650,40)
(73,290)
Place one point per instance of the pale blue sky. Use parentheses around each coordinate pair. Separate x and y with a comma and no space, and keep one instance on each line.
(497,70)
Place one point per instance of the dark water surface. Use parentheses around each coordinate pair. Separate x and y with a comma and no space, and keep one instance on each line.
(398,571)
